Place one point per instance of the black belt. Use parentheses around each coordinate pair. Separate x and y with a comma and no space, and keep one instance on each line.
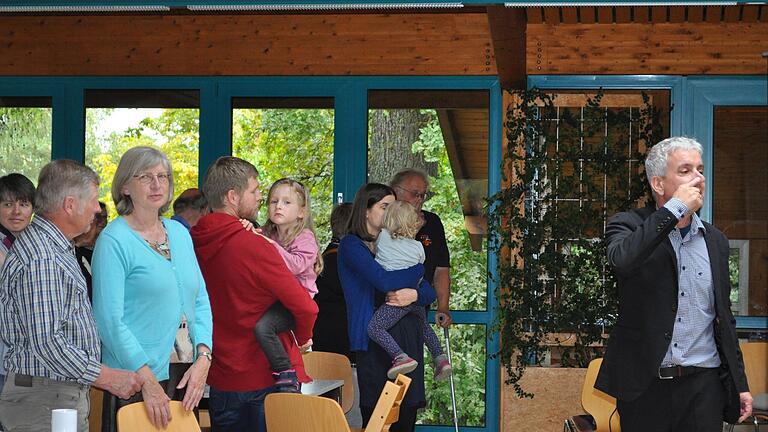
(673,372)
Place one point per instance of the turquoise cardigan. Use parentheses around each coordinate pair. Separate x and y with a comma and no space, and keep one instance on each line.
(139,297)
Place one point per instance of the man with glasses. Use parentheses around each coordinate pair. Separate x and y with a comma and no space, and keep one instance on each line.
(412,186)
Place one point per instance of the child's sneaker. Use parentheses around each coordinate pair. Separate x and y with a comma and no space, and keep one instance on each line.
(443,369)
(286,381)
(402,364)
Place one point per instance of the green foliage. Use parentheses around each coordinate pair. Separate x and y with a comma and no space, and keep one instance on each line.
(565,171)
(733,274)
(468,292)
(175,132)
(295,143)
(25,140)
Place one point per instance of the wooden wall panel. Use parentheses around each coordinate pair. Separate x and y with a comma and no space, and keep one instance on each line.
(383,44)
(665,48)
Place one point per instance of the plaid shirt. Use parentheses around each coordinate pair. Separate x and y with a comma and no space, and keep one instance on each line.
(45,315)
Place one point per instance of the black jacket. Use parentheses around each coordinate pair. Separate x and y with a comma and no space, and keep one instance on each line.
(645,266)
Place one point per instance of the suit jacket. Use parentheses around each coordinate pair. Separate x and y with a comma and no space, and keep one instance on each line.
(645,266)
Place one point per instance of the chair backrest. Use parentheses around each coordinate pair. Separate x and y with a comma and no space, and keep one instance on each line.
(599,405)
(387,410)
(134,418)
(292,412)
(327,365)
(756,366)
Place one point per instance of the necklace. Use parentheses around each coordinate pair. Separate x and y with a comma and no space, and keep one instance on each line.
(161,246)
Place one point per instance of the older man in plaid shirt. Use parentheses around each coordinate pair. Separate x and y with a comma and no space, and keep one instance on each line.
(54,349)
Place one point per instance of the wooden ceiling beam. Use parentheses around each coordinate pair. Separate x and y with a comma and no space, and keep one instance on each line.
(508,26)
(676,14)
(533,15)
(623,14)
(587,15)
(642,14)
(552,15)
(695,14)
(750,13)
(570,15)
(605,15)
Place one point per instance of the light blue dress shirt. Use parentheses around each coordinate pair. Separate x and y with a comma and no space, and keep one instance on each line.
(693,338)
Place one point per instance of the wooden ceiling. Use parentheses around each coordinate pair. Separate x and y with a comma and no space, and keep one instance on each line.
(646,14)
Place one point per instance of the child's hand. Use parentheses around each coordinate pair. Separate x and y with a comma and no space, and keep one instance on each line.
(248,225)
(305,348)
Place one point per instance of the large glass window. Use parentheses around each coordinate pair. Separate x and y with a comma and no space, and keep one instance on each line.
(445,133)
(117,120)
(25,135)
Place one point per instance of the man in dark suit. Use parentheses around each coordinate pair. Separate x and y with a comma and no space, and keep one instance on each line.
(673,360)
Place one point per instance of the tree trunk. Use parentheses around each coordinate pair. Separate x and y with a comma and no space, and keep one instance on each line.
(393,132)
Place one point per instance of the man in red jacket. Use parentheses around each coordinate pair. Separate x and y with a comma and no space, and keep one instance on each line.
(245,275)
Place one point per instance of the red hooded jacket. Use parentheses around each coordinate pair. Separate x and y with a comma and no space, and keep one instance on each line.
(244,276)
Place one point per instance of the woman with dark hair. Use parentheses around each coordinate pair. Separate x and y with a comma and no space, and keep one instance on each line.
(366,286)
(17,198)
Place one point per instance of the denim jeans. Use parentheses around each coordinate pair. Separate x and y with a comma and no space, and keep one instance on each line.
(238,411)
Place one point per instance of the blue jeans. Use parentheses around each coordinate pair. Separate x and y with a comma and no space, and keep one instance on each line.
(238,411)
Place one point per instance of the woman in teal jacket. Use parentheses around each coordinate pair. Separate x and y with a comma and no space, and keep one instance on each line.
(145,279)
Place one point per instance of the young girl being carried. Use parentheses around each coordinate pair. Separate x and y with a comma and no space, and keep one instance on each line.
(396,249)
(291,230)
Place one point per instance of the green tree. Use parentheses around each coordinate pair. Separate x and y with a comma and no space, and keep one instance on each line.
(294,143)
(175,132)
(25,140)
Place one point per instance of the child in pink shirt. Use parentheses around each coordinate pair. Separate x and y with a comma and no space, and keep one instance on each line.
(291,230)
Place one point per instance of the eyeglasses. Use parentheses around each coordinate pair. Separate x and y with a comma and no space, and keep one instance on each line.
(146,178)
(423,196)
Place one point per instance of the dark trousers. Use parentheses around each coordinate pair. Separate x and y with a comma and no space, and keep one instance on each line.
(112,403)
(693,403)
(405,423)
(277,319)
(238,411)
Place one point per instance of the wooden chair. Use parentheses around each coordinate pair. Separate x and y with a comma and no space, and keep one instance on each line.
(326,365)
(133,418)
(600,407)
(756,368)
(290,412)
(387,409)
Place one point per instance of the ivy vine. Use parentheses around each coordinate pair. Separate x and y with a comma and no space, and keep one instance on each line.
(565,171)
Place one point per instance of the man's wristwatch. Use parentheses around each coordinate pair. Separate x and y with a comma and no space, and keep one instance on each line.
(206,354)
